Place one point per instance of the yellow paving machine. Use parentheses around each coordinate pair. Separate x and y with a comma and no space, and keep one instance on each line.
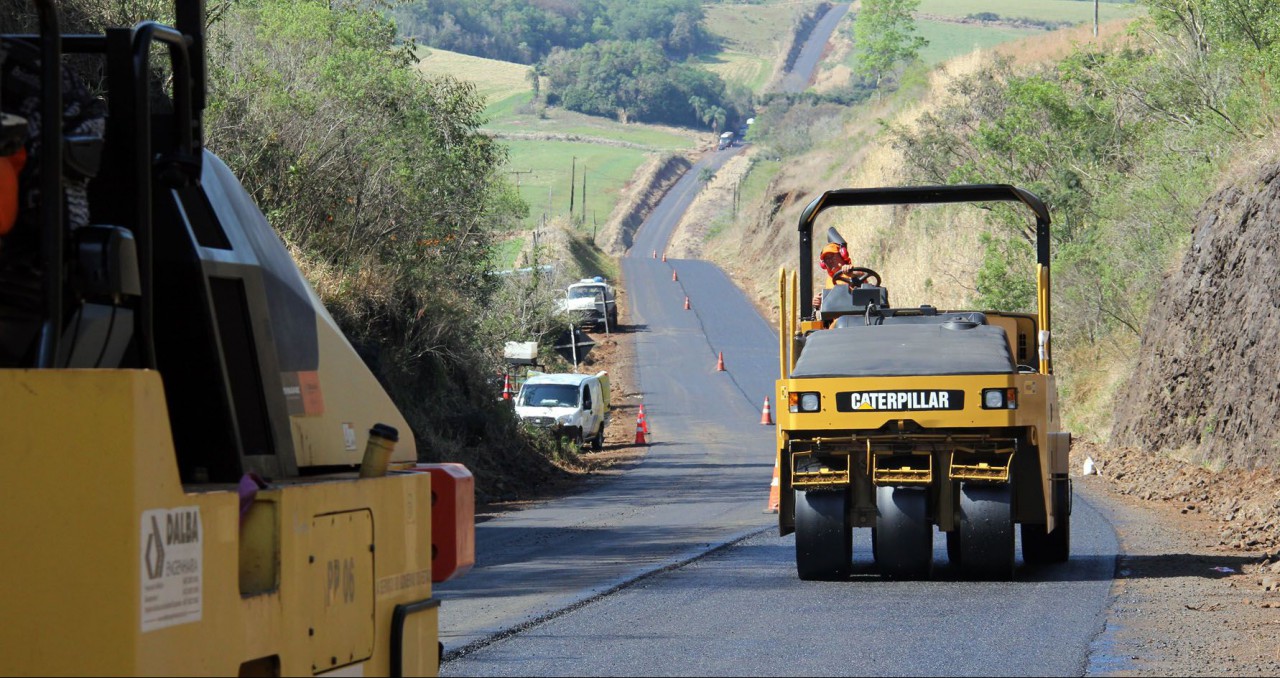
(203,476)
(903,419)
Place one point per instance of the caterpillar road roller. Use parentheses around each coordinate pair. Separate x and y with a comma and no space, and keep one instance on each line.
(904,420)
(202,476)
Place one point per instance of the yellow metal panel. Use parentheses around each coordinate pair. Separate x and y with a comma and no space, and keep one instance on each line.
(69,588)
(79,520)
(340,586)
(784,322)
(971,416)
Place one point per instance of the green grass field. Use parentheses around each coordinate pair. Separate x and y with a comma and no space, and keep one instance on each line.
(545,169)
(495,80)
(506,251)
(948,39)
(542,167)
(1078,11)
(506,116)
(739,68)
(506,89)
(758,29)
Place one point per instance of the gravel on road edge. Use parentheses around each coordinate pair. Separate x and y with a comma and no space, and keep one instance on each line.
(1185,603)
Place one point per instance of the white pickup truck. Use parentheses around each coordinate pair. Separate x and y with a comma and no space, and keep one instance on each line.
(573,405)
(593,300)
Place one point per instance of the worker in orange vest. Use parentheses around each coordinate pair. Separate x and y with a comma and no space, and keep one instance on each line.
(834,259)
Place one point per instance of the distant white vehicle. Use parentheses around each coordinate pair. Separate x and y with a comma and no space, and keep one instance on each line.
(593,300)
(573,405)
(726,140)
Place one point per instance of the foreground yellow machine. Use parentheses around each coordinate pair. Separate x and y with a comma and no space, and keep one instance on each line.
(204,478)
(903,419)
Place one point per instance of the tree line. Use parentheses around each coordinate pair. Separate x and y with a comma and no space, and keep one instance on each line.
(616,58)
(526,32)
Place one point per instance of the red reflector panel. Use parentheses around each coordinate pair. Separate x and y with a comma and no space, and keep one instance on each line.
(453,520)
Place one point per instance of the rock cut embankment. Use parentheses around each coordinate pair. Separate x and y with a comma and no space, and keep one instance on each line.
(1207,382)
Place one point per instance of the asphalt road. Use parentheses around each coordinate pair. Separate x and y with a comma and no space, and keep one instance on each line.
(742,611)
(704,481)
(618,581)
(797,79)
(673,569)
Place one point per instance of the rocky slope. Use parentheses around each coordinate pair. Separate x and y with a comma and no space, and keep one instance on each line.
(1205,388)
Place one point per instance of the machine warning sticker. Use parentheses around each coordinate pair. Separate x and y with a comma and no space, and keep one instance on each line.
(172,562)
(899,401)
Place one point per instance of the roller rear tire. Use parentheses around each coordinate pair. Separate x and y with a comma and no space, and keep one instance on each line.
(903,534)
(1041,548)
(824,535)
(986,531)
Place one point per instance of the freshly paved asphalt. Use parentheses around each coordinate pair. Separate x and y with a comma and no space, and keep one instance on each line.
(704,481)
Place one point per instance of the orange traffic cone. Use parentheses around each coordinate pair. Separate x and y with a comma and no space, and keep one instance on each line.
(640,432)
(674,277)
(644,423)
(686,303)
(775,488)
(720,362)
(664,257)
(506,387)
(655,254)
(766,417)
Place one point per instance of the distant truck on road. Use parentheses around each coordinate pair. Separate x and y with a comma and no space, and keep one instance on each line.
(726,140)
(593,301)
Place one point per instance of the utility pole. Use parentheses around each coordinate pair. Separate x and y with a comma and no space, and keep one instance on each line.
(573,179)
(518,173)
(1095,18)
(583,219)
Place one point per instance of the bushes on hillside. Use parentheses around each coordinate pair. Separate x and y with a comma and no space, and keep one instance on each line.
(387,193)
(1118,143)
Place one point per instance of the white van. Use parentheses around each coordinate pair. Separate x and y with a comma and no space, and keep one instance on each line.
(573,405)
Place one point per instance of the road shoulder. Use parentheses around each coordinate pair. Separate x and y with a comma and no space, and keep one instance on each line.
(1183,604)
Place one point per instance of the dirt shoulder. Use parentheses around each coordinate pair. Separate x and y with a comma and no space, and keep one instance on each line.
(1197,589)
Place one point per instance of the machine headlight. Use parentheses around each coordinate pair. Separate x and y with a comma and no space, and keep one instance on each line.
(804,402)
(999,398)
(564,419)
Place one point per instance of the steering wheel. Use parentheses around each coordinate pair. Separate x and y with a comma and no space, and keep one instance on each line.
(867,275)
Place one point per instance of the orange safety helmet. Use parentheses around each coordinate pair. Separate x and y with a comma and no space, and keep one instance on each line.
(833,248)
